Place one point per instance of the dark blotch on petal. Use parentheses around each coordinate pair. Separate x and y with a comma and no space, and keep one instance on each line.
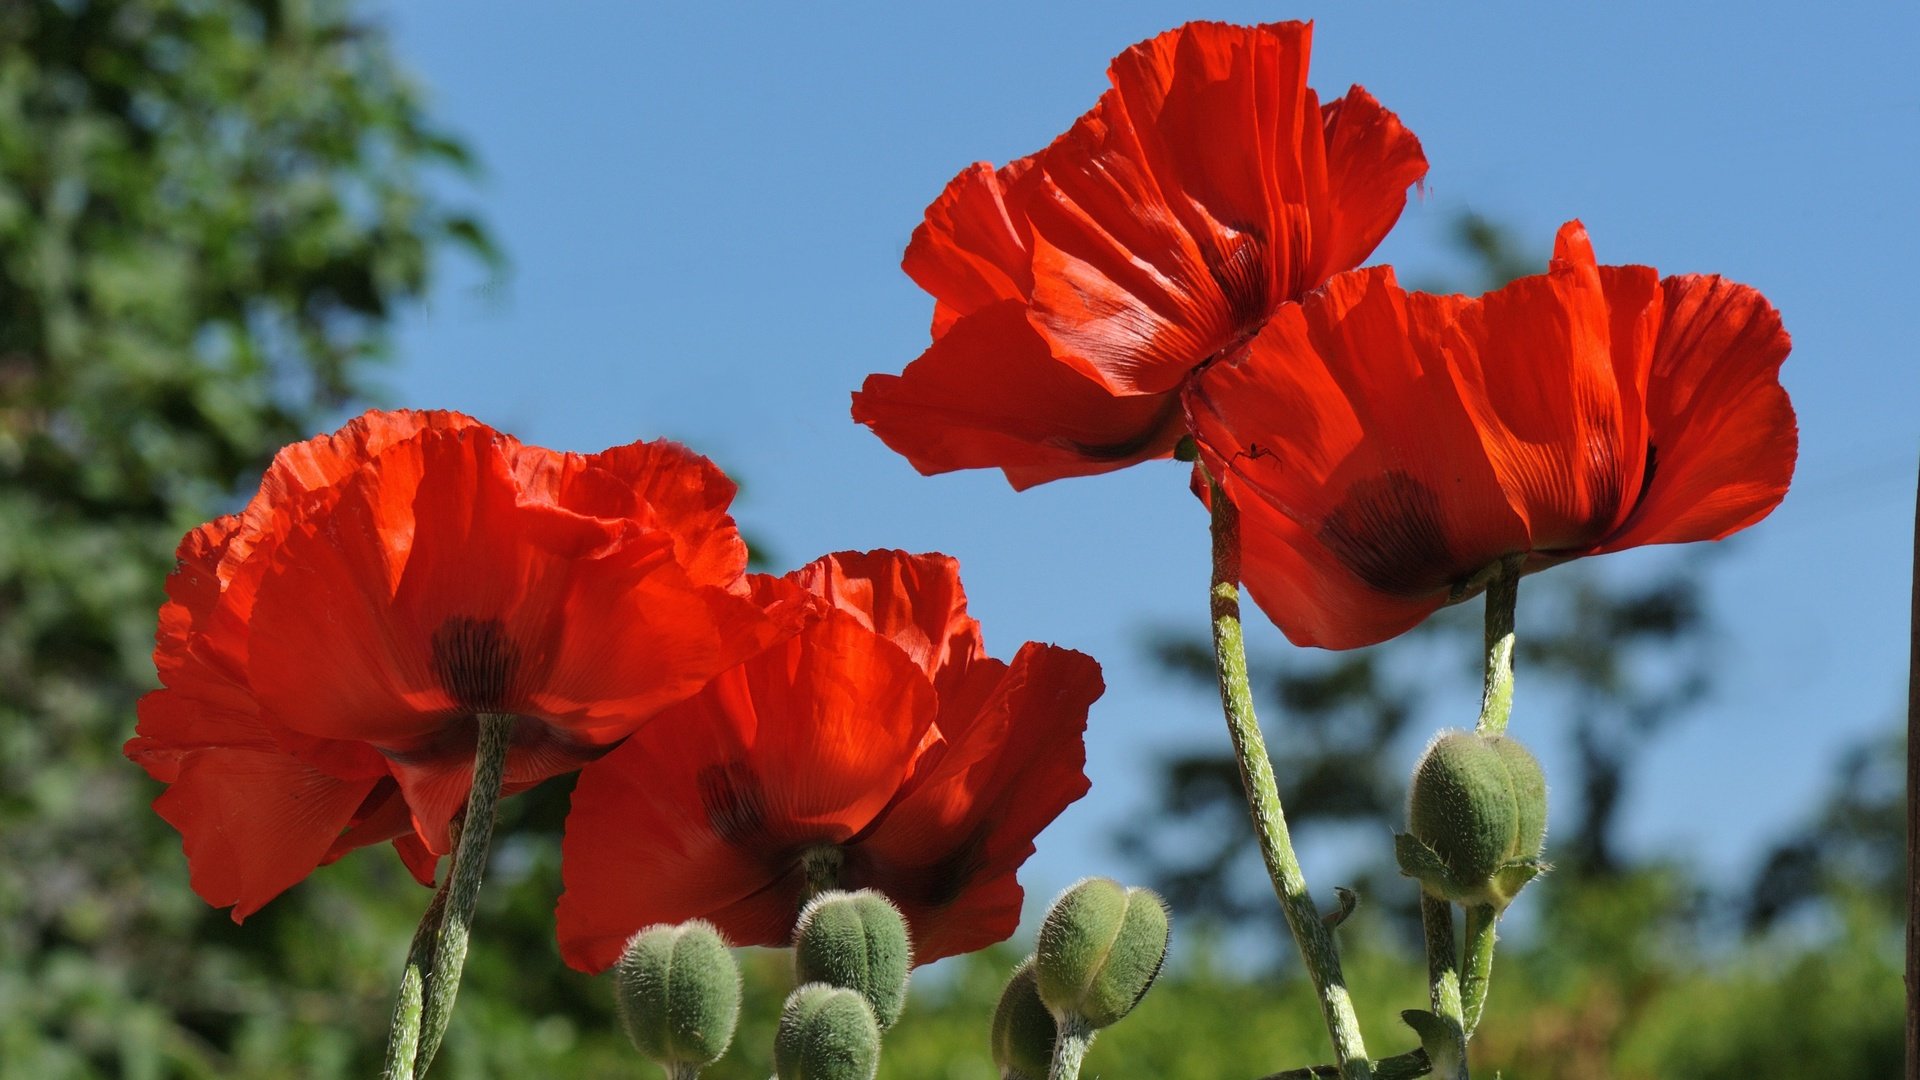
(1389,534)
(735,804)
(936,884)
(475,662)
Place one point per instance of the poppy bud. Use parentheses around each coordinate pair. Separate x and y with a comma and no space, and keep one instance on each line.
(1100,948)
(1476,819)
(826,1033)
(678,993)
(1023,1029)
(857,941)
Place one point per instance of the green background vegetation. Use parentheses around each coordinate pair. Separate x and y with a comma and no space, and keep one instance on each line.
(209,212)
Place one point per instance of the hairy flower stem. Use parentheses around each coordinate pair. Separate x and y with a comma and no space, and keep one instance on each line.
(1070,1047)
(1496,707)
(1313,937)
(403,1041)
(1478,969)
(442,982)
(1443,986)
(1496,697)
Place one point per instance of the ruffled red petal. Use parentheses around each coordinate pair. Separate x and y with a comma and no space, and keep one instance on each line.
(1205,188)
(972,250)
(1199,195)
(989,395)
(254,822)
(946,852)
(915,601)
(1363,484)
(661,484)
(1385,447)
(1722,432)
(1554,375)
(716,800)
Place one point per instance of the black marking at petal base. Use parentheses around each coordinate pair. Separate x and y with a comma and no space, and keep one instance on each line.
(940,882)
(1389,533)
(475,662)
(735,803)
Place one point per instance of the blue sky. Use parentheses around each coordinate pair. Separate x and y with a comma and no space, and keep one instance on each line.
(704,208)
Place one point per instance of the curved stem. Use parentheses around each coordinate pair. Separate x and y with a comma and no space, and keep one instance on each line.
(1070,1047)
(403,1039)
(1478,969)
(469,861)
(1496,695)
(1443,983)
(1314,939)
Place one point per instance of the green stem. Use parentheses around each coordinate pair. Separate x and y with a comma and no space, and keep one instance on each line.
(1070,1047)
(403,1041)
(469,862)
(1478,972)
(1405,1066)
(683,1070)
(1496,696)
(1443,984)
(1496,708)
(1312,936)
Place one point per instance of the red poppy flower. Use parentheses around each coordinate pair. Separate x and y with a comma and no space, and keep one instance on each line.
(1075,290)
(1384,447)
(882,748)
(323,652)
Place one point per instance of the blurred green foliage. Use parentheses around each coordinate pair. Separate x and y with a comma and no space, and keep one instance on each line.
(208,214)
(210,210)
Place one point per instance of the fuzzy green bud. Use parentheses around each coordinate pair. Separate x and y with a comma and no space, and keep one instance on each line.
(1529,793)
(857,941)
(1023,1029)
(826,1033)
(677,991)
(1476,819)
(1100,948)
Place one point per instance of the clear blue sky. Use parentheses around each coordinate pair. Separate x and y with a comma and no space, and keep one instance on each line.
(704,208)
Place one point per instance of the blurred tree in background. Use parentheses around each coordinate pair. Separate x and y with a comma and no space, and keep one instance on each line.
(209,212)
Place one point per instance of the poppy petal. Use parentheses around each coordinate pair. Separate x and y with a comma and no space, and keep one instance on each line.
(1560,416)
(915,601)
(1372,159)
(972,249)
(667,485)
(717,799)
(254,823)
(1722,431)
(1005,772)
(989,395)
(1363,487)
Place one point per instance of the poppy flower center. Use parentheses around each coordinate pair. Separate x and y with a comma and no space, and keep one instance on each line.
(475,662)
